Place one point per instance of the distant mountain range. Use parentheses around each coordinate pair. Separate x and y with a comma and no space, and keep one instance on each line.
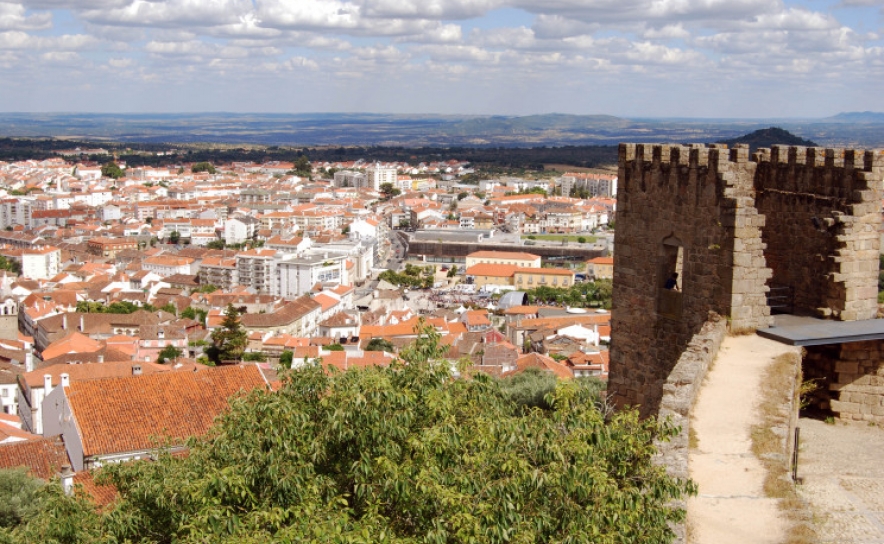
(857,117)
(852,129)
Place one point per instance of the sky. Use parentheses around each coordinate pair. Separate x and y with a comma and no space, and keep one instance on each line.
(630,58)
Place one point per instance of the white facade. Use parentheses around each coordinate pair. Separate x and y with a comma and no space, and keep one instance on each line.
(349,178)
(110,213)
(238,230)
(41,264)
(378,175)
(297,276)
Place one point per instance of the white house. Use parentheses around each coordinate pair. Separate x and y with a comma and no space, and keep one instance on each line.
(239,229)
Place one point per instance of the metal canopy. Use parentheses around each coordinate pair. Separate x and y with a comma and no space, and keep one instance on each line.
(808,331)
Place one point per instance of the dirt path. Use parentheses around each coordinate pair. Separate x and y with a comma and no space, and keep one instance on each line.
(731,507)
(842,466)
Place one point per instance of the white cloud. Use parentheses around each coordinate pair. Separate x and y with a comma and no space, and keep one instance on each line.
(428,9)
(562,44)
(199,13)
(13,16)
(60,57)
(22,40)
(667,32)
(120,63)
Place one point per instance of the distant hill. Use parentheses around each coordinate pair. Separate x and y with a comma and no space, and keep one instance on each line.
(856,117)
(767,137)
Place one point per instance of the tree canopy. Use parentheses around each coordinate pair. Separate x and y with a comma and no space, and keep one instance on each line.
(229,341)
(112,170)
(380,344)
(169,354)
(203,167)
(399,455)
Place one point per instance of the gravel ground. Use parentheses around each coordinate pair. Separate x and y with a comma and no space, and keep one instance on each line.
(842,467)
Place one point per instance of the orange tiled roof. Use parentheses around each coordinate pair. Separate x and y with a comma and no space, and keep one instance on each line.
(126,414)
(73,342)
(43,458)
(492,270)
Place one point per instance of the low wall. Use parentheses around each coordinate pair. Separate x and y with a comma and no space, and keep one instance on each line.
(682,388)
(679,393)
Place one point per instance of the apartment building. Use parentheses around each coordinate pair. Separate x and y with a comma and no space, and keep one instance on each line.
(41,263)
(296,276)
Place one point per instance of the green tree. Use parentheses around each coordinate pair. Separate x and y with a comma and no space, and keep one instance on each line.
(229,341)
(452,271)
(380,344)
(302,166)
(112,170)
(194,313)
(396,455)
(530,388)
(62,519)
(334,347)
(254,356)
(174,237)
(10,265)
(18,496)
(203,167)
(285,358)
(462,195)
(388,190)
(169,353)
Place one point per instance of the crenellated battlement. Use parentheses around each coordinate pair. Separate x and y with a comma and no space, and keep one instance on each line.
(789,228)
(821,157)
(712,156)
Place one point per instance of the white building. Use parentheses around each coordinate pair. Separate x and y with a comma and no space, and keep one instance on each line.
(378,175)
(350,178)
(110,212)
(168,265)
(255,268)
(296,276)
(41,263)
(239,229)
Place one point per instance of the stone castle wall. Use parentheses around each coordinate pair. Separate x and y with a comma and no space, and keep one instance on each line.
(698,202)
(849,379)
(803,221)
(822,210)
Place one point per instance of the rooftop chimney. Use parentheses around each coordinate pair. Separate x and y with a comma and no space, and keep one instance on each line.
(82,326)
(64,322)
(67,479)
(65,380)
(47,384)
(29,360)
(136,370)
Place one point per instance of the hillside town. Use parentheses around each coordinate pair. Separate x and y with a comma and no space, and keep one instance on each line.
(135,301)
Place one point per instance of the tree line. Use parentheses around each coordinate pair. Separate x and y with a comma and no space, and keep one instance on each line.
(137,154)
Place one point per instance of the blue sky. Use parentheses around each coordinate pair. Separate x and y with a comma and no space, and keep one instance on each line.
(663,58)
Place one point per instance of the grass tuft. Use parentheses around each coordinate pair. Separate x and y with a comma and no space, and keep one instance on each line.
(782,376)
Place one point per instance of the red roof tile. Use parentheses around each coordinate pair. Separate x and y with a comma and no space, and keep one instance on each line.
(126,414)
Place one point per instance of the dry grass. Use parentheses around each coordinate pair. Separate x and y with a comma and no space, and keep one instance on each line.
(782,376)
